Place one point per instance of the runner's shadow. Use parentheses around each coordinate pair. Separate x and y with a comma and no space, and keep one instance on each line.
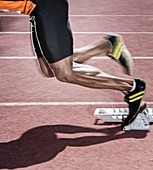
(41,144)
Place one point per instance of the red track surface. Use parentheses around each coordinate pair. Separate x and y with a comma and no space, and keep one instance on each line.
(65,137)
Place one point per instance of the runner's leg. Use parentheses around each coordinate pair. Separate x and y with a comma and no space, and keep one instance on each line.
(101,47)
(43,64)
(91,77)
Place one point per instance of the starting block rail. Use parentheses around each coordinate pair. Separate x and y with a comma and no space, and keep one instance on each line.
(116,115)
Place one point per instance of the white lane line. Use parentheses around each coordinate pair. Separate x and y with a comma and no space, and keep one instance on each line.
(107,15)
(20,58)
(57,103)
(14,16)
(62,103)
(104,58)
(15,32)
(93,58)
(113,32)
(85,15)
(85,33)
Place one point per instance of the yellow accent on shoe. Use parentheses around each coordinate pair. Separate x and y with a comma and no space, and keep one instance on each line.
(117,50)
(137,94)
(135,99)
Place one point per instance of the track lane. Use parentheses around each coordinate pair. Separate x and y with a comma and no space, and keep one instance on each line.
(22,128)
(85,23)
(26,84)
(53,141)
(111,7)
(20,45)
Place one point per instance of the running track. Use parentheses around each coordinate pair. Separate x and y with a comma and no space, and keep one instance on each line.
(49,125)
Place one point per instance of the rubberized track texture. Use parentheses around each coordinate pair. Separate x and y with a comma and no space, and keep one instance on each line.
(44,128)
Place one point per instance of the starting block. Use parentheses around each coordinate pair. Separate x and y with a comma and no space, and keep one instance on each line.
(117,115)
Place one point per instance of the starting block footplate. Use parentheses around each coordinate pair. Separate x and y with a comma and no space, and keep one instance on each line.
(116,115)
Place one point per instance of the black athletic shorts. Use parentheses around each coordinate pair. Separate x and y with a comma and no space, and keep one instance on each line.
(51,31)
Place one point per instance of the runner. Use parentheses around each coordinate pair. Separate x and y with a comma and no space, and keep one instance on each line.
(53,44)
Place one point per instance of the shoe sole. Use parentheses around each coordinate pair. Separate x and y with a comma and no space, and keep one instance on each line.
(138,111)
(133,118)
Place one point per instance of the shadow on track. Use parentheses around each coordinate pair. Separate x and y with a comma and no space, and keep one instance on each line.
(41,144)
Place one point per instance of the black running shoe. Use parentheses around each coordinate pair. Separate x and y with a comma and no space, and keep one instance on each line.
(120,52)
(133,98)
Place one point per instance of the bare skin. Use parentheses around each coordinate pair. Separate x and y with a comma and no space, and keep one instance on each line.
(45,67)
(68,70)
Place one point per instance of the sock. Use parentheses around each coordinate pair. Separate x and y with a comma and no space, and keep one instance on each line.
(134,85)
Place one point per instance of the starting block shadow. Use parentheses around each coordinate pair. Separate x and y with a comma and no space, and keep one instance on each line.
(111,116)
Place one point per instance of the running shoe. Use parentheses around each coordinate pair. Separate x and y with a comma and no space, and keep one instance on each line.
(120,53)
(133,98)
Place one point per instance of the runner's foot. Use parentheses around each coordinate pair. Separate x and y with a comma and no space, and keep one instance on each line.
(133,98)
(120,52)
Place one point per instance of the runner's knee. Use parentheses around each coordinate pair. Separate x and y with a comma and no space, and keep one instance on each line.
(63,69)
(65,76)
(45,68)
